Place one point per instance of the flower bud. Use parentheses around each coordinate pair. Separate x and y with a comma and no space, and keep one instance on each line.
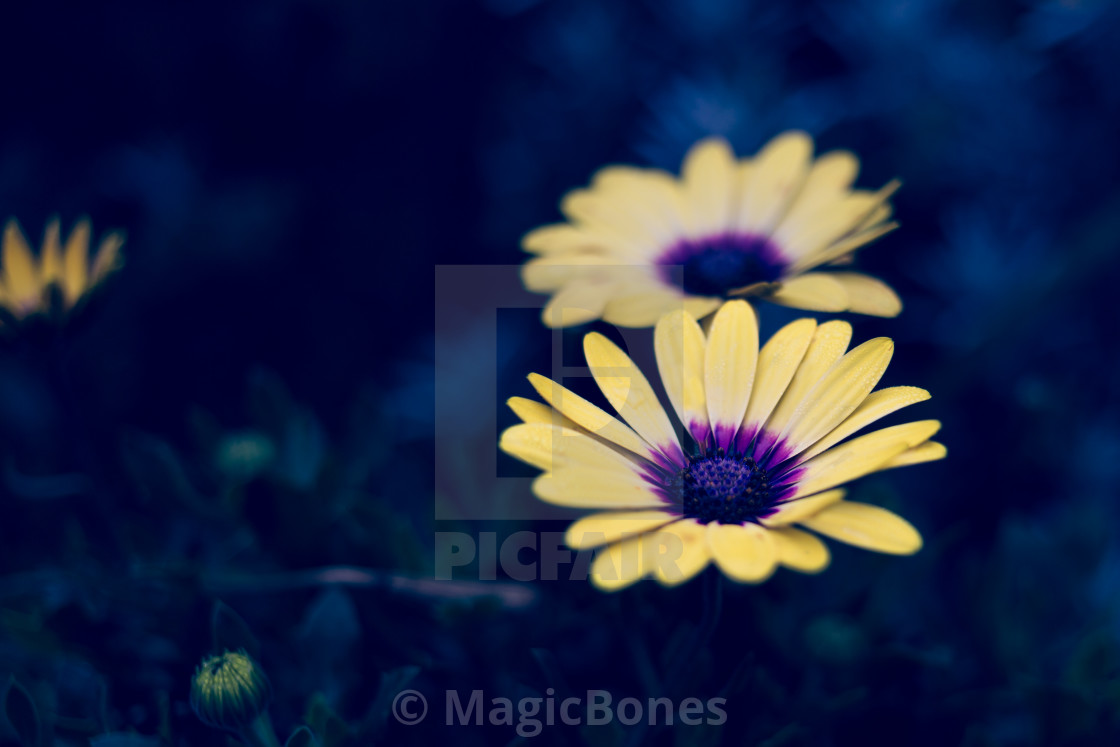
(244,455)
(230,691)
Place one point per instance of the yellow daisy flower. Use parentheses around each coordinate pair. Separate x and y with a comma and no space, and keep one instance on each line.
(763,450)
(639,243)
(61,275)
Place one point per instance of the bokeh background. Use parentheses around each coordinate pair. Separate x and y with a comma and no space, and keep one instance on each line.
(250,403)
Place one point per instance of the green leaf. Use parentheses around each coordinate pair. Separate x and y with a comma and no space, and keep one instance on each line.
(303,449)
(159,473)
(327,724)
(22,714)
(330,627)
(376,717)
(229,632)
(392,682)
(302,737)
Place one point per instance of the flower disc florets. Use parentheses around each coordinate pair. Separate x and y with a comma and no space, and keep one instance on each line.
(718,265)
(725,488)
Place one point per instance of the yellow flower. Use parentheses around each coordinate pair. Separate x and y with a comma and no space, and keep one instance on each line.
(639,243)
(763,450)
(61,275)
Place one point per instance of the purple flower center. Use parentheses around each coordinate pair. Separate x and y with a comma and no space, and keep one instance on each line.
(729,489)
(715,265)
(743,483)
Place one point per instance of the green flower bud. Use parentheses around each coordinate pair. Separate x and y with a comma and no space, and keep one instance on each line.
(230,691)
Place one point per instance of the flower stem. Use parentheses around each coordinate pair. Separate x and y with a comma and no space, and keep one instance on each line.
(713,606)
(260,733)
(709,619)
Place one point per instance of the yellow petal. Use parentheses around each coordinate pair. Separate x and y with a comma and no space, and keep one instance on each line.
(829,179)
(21,279)
(559,238)
(608,216)
(814,292)
(792,512)
(620,565)
(609,527)
(50,256)
(860,456)
(578,302)
(531,411)
(777,362)
(75,262)
(108,257)
(867,295)
(650,197)
(552,447)
(679,345)
(827,225)
(630,394)
(729,365)
(776,175)
(642,306)
(877,405)
(744,171)
(588,487)
(550,273)
(829,342)
(744,552)
(930,451)
(678,551)
(800,550)
(699,307)
(866,526)
(841,248)
(875,217)
(709,186)
(587,415)
(839,393)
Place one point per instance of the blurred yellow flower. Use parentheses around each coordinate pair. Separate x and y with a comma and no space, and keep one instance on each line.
(639,242)
(60,276)
(763,450)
